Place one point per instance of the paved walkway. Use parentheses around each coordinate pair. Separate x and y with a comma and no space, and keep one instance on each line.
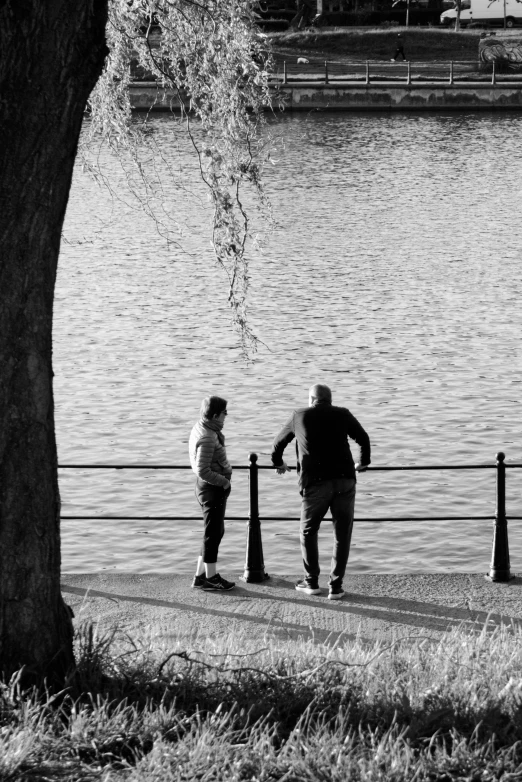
(375,607)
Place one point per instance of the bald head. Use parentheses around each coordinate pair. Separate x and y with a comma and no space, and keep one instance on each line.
(319,393)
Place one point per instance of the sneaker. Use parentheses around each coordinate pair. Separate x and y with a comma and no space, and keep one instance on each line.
(308,587)
(198,582)
(335,593)
(217,584)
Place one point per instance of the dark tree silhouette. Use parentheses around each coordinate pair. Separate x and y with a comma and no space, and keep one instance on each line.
(52,54)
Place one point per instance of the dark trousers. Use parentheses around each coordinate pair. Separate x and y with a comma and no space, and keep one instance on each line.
(400,51)
(213,501)
(338,495)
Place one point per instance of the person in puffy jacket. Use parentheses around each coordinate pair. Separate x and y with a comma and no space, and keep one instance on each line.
(208,458)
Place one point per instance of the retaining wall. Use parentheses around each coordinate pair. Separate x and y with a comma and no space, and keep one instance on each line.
(359,96)
(401,96)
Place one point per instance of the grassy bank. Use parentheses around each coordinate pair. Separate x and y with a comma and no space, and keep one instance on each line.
(420,44)
(230,710)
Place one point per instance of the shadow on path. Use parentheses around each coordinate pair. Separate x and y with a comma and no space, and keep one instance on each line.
(389,612)
(274,625)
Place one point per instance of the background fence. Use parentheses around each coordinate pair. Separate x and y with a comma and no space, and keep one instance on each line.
(366,72)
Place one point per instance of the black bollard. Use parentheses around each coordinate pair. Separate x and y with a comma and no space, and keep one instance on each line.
(500,565)
(254,564)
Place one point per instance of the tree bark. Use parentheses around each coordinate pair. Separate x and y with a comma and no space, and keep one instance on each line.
(51,55)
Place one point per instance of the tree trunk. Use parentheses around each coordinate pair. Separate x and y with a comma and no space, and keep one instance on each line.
(51,55)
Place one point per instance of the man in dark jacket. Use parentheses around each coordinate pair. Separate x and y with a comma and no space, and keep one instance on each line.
(399,49)
(327,477)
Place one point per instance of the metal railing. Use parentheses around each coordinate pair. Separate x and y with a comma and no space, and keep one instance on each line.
(254,568)
(253,469)
(370,71)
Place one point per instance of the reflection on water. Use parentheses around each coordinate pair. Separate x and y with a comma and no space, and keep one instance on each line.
(393,275)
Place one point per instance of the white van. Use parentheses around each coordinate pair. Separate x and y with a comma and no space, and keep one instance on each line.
(449,17)
(492,12)
(487,12)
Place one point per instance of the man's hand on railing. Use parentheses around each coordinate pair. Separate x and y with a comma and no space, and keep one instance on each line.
(283,468)
(361,467)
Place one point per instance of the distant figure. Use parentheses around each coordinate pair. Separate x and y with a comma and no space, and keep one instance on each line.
(302,61)
(208,459)
(326,479)
(400,49)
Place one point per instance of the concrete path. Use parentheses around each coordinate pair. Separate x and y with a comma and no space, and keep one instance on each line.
(375,607)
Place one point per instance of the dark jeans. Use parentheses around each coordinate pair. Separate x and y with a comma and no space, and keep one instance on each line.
(213,501)
(338,495)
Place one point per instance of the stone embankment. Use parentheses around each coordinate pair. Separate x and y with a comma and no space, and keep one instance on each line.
(361,96)
(388,96)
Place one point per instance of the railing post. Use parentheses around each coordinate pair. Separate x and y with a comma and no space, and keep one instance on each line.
(493,74)
(367,72)
(451,72)
(408,79)
(285,76)
(500,565)
(326,71)
(254,563)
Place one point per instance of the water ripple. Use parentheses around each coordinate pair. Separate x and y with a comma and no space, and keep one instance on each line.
(393,275)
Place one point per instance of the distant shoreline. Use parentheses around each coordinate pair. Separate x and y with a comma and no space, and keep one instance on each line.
(430,86)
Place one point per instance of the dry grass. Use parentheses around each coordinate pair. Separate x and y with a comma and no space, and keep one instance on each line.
(229,709)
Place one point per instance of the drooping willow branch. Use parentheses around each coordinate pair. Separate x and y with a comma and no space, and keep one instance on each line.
(211,53)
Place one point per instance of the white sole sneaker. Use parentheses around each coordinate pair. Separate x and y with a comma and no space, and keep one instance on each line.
(308,590)
(336,595)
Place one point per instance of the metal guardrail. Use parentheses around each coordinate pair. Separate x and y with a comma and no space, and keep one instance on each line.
(366,72)
(253,468)
(254,567)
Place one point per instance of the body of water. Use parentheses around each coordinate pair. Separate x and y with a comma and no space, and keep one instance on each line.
(393,274)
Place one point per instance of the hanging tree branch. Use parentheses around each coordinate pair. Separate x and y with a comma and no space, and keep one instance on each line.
(212,55)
